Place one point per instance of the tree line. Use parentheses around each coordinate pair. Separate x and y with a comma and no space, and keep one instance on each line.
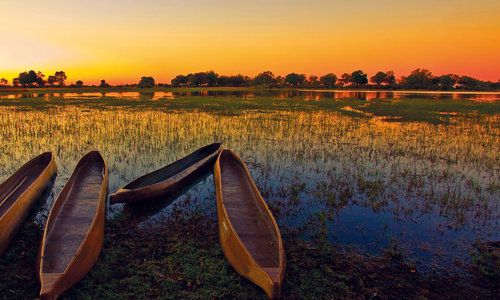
(31,79)
(417,79)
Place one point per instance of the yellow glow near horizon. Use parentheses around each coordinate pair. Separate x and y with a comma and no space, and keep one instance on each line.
(120,41)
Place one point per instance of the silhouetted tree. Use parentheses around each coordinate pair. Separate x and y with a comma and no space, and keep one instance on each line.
(279,81)
(358,78)
(241,80)
(447,82)
(295,79)
(40,81)
(390,79)
(237,80)
(203,79)
(378,78)
(51,80)
(15,82)
(146,82)
(345,79)
(418,79)
(224,80)
(79,83)
(180,80)
(196,79)
(313,81)
(264,79)
(470,83)
(211,78)
(104,83)
(31,78)
(328,81)
(384,78)
(60,77)
(3,82)
(27,78)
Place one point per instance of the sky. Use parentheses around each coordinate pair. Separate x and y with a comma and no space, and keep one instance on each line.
(122,40)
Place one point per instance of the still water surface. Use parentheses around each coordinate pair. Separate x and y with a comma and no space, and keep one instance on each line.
(304,94)
(431,189)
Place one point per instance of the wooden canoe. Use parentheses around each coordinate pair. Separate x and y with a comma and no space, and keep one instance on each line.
(139,213)
(19,193)
(165,181)
(74,232)
(248,232)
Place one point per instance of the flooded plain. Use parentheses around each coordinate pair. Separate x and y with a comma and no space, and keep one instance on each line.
(305,94)
(371,170)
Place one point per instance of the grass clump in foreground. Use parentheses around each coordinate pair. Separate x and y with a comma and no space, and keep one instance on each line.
(486,259)
(182,259)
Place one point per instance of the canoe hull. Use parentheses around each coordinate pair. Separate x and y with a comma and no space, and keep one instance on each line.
(54,284)
(12,220)
(269,279)
(163,190)
(167,187)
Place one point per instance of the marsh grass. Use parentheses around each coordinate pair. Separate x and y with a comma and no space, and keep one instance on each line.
(312,161)
(404,167)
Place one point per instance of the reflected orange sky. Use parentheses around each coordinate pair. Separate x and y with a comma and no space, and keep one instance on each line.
(120,41)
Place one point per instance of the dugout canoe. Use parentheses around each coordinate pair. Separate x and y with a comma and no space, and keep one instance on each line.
(19,193)
(165,181)
(74,232)
(248,232)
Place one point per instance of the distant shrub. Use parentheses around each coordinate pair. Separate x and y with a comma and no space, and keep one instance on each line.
(146,82)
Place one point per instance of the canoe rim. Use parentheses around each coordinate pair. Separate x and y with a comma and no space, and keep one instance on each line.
(262,202)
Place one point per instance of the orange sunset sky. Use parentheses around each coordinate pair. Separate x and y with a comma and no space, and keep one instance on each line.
(120,41)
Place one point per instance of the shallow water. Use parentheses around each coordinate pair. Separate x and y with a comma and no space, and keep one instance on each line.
(310,95)
(431,189)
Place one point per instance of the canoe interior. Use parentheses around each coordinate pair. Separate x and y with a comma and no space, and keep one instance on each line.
(247,215)
(174,168)
(75,216)
(15,186)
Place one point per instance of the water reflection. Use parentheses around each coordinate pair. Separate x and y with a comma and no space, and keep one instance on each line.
(309,95)
(366,181)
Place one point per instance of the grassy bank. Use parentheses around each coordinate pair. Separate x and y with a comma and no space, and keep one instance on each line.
(182,259)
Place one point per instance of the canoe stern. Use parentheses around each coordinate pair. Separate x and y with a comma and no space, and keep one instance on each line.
(49,286)
(120,196)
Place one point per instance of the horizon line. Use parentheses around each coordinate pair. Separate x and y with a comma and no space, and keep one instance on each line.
(117,82)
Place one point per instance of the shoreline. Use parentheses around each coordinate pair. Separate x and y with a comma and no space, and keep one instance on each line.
(228,88)
(183,259)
